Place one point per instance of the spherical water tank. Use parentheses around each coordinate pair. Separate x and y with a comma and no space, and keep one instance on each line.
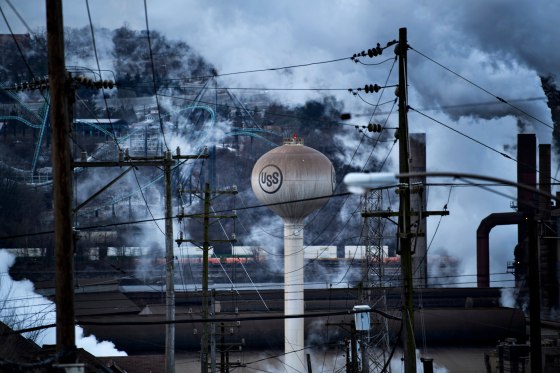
(290,176)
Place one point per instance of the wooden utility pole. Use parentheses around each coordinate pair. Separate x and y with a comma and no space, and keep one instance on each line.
(60,89)
(169,268)
(354,347)
(222,348)
(205,248)
(167,161)
(205,252)
(534,293)
(404,213)
(213,333)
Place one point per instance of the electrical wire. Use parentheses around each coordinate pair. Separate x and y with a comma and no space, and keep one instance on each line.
(309,221)
(381,95)
(243,107)
(261,89)
(377,140)
(500,99)
(262,70)
(154,75)
(375,64)
(244,207)
(210,320)
(146,202)
(20,51)
(7,303)
(310,262)
(20,17)
(374,105)
(355,115)
(99,69)
(505,155)
(242,266)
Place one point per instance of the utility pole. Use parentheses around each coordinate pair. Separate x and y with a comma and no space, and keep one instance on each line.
(205,248)
(354,347)
(534,292)
(62,184)
(364,352)
(351,345)
(213,333)
(222,348)
(404,213)
(167,161)
(169,268)
(372,209)
(205,251)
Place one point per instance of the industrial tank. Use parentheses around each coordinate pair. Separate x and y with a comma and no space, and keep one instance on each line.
(292,177)
(293,180)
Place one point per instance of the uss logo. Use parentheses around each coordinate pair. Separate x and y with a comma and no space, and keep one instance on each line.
(270,179)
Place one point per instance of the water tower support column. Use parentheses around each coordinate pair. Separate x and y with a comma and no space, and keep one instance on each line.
(293,296)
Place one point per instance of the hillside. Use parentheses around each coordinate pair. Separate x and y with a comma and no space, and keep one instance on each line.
(192,111)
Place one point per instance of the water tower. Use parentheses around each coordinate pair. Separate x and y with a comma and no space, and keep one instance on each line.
(291,179)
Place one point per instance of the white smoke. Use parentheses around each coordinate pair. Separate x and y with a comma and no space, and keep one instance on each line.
(508,298)
(505,57)
(23,308)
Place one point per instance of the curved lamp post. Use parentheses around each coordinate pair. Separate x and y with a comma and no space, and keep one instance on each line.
(359,183)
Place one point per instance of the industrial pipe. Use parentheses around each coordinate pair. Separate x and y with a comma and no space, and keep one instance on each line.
(483,242)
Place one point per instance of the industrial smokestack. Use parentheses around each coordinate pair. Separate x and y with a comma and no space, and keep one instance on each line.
(292,179)
(527,201)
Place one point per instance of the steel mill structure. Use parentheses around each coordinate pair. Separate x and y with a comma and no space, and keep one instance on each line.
(291,179)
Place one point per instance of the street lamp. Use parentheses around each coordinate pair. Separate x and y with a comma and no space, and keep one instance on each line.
(360,183)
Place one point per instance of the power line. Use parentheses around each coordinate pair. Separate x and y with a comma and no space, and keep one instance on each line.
(46,311)
(261,70)
(99,69)
(356,115)
(375,64)
(20,17)
(374,105)
(211,320)
(457,106)
(245,207)
(154,75)
(425,257)
(500,99)
(242,265)
(145,201)
(243,88)
(368,88)
(17,44)
(157,219)
(476,141)
(20,51)
(322,120)
(265,292)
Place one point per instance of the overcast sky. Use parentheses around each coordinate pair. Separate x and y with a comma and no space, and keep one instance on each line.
(503,46)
